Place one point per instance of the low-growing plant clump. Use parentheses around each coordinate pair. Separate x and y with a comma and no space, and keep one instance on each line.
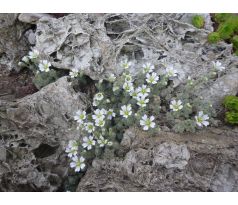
(231,105)
(43,72)
(146,99)
(198,21)
(227,29)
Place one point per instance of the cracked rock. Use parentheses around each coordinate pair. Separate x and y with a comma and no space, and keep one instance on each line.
(34,133)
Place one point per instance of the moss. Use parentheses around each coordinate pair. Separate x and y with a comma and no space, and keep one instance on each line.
(231,103)
(222,17)
(44,78)
(227,29)
(213,37)
(232,118)
(198,21)
(235,42)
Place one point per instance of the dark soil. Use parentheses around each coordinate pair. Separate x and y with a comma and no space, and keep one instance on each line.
(15,85)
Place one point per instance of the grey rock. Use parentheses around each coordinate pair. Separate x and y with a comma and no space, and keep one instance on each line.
(223,86)
(32,18)
(31,37)
(13,44)
(187,18)
(204,161)
(7,20)
(35,131)
(95,43)
(171,155)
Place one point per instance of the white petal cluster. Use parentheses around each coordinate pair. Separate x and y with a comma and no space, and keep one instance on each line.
(143,91)
(126,110)
(142,101)
(78,163)
(112,78)
(99,114)
(134,94)
(88,142)
(148,68)
(171,72)
(74,73)
(152,78)
(25,59)
(99,96)
(128,87)
(99,117)
(128,78)
(89,127)
(176,105)
(126,64)
(80,116)
(34,54)
(44,66)
(72,148)
(110,114)
(147,123)
(202,119)
(100,122)
(218,66)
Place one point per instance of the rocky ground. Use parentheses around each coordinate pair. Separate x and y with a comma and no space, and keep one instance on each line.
(35,126)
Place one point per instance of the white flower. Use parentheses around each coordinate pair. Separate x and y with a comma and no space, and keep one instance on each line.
(99,114)
(89,127)
(218,66)
(102,142)
(152,78)
(78,163)
(126,110)
(128,87)
(80,116)
(100,122)
(112,78)
(148,68)
(176,105)
(147,122)
(25,59)
(128,78)
(72,148)
(141,101)
(110,114)
(98,96)
(171,72)
(88,142)
(74,73)
(201,119)
(143,91)
(95,103)
(134,94)
(44,66)
(34,54)
(125,64)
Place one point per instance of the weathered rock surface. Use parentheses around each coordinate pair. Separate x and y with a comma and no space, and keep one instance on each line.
(205,161)
(32,18)
(13,43)
(96,42)
(34,132)
(35,129)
